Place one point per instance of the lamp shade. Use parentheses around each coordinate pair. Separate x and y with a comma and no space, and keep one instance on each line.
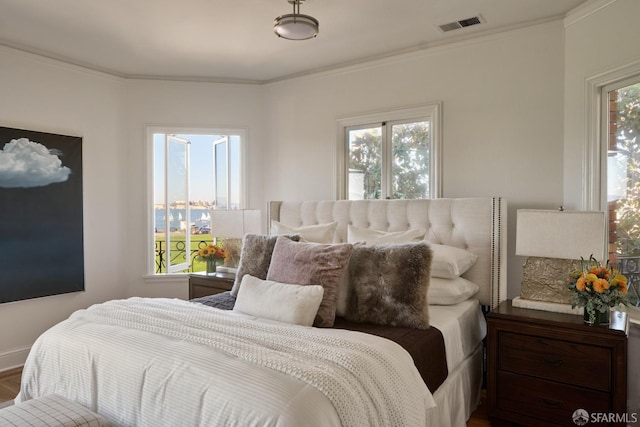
(235,223)
(561,234)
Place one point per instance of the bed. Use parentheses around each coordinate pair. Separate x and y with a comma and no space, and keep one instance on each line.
(161,362)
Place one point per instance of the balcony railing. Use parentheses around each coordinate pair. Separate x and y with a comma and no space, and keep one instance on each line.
(630,267)
(178,252)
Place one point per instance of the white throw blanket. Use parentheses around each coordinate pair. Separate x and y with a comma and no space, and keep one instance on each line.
(367,387)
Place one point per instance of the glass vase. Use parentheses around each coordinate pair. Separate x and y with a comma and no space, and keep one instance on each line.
(597,318)
(212,265)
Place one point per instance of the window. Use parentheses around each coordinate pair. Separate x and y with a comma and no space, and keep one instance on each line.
(194,171)
(605,172)
(390,155)
(621,108)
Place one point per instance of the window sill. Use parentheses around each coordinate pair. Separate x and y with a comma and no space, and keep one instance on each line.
(165,278)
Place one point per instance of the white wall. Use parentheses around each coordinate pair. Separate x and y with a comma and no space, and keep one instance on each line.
(192,105)
(599,41)
(502,99)
(43,95)
(111,114)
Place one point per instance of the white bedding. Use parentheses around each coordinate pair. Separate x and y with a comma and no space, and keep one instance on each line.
(173,371)
(463,327)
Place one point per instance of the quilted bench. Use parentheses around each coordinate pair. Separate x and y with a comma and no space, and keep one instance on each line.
(50,411)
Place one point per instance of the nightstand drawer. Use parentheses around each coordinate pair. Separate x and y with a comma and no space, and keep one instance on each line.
(546,400)
(556,360)
(202,285)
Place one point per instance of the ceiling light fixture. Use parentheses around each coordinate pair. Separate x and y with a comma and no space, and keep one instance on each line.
(294,26)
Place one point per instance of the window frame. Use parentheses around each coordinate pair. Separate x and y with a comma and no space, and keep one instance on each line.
(594,162)
(594,192)
(429,112)
(150,130)
(168,139)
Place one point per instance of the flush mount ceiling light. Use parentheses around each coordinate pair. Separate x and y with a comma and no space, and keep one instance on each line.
(294,26)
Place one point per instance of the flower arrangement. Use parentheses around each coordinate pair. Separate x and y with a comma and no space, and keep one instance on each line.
(211,252)
(597,288)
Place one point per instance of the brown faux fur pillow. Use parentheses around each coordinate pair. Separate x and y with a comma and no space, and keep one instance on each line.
(255,257)
(389,285)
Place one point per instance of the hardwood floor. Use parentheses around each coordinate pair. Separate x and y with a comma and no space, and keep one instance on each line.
(479,417)
(10,386)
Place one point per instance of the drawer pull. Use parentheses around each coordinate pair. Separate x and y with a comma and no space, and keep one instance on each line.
(549,402)
(553,362)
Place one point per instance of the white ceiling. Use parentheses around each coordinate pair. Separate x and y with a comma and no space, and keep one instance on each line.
(223,40)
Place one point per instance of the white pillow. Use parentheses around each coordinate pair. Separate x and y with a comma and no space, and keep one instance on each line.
(375,237)
(295,304)
(321,233)
(450,291)
(450,262)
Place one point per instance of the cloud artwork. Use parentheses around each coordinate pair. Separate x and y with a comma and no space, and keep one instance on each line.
(26,164)
(41,207)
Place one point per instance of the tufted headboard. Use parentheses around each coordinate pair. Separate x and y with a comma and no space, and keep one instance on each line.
(475,224)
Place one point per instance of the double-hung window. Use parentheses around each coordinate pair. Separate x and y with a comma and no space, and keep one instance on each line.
(390,155)
(621,113)
(194,171)
(612,167)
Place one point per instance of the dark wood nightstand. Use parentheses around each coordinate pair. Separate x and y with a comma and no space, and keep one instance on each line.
(202,285)
(543,366)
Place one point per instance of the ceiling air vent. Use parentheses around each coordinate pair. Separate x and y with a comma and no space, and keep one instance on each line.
(456,25)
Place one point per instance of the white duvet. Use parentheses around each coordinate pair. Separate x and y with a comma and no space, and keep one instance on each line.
(159,362)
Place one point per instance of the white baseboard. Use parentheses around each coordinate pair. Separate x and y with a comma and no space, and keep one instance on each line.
(13,358)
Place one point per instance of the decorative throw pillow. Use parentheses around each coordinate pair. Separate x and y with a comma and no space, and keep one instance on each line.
(344,289)
(295,304)
(311,264)
(389,285)
(255,257)
(450,262)
(450,291)
(376,237)
(359,235)
(321,233)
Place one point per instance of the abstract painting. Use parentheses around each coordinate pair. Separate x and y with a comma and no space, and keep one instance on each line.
(41,228)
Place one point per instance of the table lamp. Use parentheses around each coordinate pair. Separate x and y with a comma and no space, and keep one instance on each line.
(231,225)
(555,241)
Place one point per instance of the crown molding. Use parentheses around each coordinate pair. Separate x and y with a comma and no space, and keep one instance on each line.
(35,55)
(585,10)
(466,39)
(462,41)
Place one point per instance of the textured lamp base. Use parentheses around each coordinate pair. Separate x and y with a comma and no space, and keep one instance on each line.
(545,279)
(544,285)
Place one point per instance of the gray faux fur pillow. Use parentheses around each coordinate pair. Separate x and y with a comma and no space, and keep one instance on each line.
(255,257)
(389,284)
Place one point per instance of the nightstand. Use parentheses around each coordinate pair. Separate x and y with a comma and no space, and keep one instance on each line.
(202,285)
(543,366)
